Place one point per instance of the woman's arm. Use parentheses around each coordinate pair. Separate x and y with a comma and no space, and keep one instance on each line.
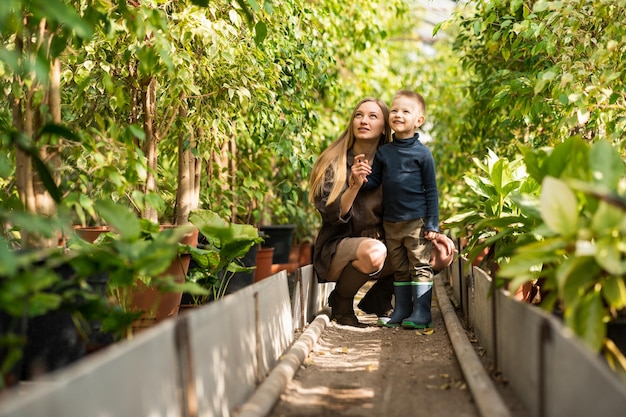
(359,171)
(374,178)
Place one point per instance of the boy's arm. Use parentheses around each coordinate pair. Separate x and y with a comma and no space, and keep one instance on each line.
(432,194)
(374,179)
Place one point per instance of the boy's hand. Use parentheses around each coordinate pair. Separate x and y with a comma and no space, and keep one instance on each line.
(431,235)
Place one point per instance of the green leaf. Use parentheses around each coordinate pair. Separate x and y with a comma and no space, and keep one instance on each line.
(460,219)
(534,162)
(46,178)
(607,167)
(60,131)
(614,291)
(541,6)
(260,30)
(67,15)
(120,218)
(521,266)
(570,154)
(575,276)
(477,27)
(528,205)
(600,192)
(210,224)
(497,176)
(155,201)
(529,256)
(254,5)
(515,4)
(8,260)
(477,184)
(606,218)
(41,302)
(514,222)
(559,207)
(611,255)
(506,53)
(137,132)
(586,318)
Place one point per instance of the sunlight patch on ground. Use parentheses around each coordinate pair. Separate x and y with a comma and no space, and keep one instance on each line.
(330,398)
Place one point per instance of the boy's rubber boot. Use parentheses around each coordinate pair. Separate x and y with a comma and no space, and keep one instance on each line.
(402,310)
(422,298)
(341,299)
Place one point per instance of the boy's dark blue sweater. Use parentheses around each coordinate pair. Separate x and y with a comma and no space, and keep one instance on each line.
(406,170)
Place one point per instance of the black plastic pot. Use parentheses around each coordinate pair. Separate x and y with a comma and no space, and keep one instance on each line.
(240,280)
(53,340)
(280,237)
(616,331)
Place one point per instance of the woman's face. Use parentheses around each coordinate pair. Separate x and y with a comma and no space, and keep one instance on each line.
(368,122)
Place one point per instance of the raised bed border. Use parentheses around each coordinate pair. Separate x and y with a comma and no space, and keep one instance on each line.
(209,362)
(552,373)
(206,362)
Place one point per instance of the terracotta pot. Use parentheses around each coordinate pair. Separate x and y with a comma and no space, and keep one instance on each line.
(157,305)
(91,233)
(263,263)
(306,254)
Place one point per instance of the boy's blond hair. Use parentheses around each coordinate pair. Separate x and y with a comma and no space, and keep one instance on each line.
(419,99)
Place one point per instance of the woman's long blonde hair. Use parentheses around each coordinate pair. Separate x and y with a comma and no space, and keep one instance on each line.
(334,156)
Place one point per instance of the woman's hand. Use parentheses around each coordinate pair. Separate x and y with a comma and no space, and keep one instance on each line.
(360,171)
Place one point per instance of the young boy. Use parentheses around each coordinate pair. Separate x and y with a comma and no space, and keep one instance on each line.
(406,170)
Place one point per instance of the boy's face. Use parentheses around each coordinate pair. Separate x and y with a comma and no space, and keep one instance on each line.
(405,116)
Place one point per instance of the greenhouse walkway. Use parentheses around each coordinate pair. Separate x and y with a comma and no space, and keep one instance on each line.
(270,350)
(377,371)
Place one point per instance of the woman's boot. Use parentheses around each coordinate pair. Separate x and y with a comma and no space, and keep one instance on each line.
(402,309)
(422,298)
(341,299)
(377,300)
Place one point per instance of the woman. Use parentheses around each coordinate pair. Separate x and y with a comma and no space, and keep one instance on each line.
(349,249)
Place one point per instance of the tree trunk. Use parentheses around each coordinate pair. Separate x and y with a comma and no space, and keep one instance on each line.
(184,197)
(232,172)
(219,168)
(28,118)
(49,152)
(197,174)
(150,150)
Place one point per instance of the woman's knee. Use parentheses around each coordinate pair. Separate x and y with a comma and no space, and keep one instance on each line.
(371,256)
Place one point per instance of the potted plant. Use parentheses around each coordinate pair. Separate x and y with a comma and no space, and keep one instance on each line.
(219,259)
(577,247)
(158,258)
(557,227)
(495,220)
(54,309)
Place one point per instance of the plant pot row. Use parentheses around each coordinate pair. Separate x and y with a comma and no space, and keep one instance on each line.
(50,346)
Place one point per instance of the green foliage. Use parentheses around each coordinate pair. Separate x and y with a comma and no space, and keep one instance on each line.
(36,282)
(498,214)
(219,258)
(578,248)
(545,79)
(134,249)
(568,234)
(532,74)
